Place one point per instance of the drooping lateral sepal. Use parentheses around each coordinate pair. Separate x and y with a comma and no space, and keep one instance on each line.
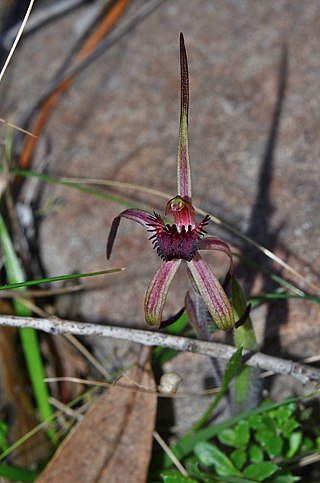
(139,216)
(214,243)
(212,293)
(157,292)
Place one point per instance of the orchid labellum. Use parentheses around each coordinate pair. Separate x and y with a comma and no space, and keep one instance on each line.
(181,241)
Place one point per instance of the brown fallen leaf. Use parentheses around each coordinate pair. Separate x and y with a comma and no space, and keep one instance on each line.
(17,404)
(113,442)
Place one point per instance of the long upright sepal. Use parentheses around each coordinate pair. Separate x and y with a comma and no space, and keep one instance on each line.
(184,170)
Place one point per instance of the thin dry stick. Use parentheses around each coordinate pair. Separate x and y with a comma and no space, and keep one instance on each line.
(170,453)
(56,326)
(4,68)
(15,43)
(70,338)
(40,17)
(65,409)
(125,387)
(309,460)
(14,126)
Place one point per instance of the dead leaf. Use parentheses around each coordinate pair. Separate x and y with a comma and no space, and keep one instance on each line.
(113,442)
(16,403)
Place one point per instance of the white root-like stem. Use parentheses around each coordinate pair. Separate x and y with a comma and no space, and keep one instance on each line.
(56,326)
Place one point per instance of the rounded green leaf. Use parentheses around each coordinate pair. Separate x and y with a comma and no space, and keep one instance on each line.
(212,457)
(260,471)
(242,434)
(272,443)
(308,443)
(260,421)
(283,413)
(255,454)
(288,426)
(239,457)
(227,437)
(294,443)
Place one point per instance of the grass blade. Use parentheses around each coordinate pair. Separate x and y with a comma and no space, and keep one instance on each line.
(17,474)
(58,278)
(29,338)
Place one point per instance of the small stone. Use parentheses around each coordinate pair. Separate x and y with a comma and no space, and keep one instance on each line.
(169,383)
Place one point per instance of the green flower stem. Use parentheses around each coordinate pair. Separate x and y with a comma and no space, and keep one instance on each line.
(247,382)
(230,372)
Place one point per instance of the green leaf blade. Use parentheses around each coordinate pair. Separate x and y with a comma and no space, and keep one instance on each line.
(212,457)
(260,471)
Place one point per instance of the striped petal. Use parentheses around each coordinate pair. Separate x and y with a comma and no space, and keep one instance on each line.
(212,293)
(214,243)
(139,216)
(183,168)
(157,292)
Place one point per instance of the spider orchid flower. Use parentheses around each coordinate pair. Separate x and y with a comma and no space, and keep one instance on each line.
(182,240)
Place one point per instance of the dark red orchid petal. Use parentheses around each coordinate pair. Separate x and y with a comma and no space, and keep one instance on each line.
(139,216)
(172,241)
(157,292)
(213,295)
(214,243)
(171,244)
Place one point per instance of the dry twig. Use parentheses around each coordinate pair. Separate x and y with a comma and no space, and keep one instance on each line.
(55,326)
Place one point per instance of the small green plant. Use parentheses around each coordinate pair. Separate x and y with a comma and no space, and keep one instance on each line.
(264,447)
